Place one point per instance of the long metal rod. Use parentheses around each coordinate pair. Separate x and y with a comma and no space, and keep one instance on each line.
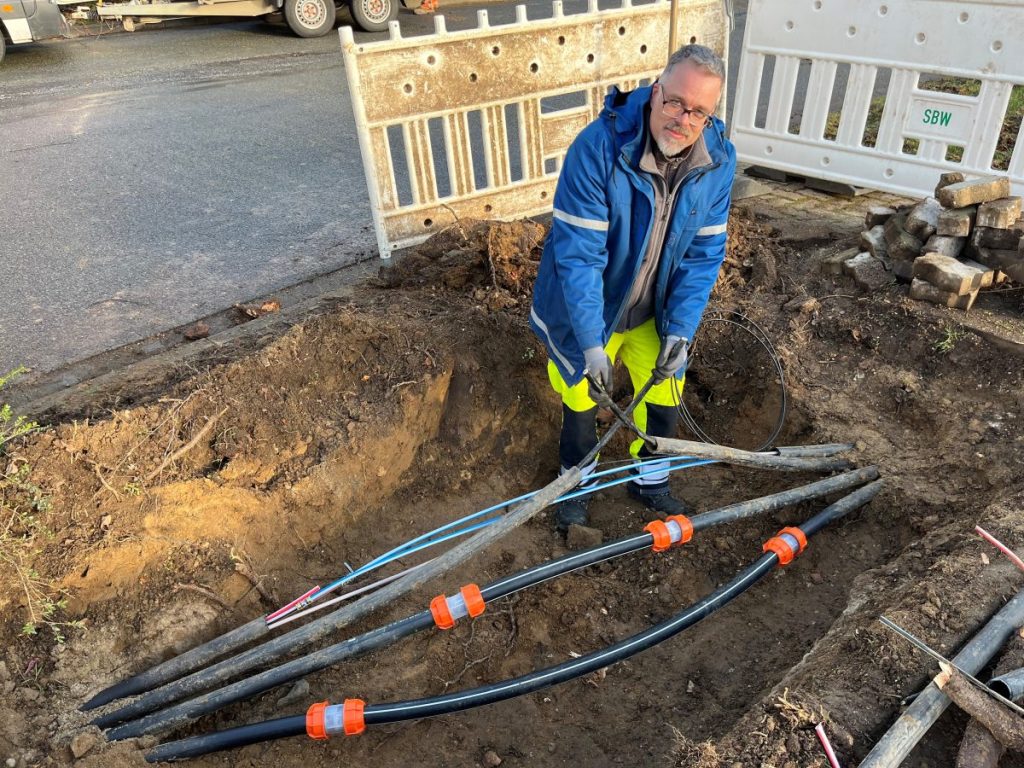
(912,725)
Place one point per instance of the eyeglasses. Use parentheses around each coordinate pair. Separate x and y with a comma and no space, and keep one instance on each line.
(674,108)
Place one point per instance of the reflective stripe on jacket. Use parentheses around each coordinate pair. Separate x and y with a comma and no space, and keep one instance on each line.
(601,223)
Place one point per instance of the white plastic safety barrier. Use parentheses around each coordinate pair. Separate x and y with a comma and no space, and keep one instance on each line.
(882,93)
(475,123)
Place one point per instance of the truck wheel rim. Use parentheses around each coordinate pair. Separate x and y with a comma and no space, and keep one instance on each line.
(312,13)
(376,10)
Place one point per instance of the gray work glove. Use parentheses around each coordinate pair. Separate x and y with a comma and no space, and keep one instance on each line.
(671,358)
(599,367)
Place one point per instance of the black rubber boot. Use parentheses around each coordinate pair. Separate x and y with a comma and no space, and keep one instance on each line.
(658,499)
(571,512)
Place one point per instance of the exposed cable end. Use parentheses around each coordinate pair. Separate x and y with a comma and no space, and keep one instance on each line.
(118,691)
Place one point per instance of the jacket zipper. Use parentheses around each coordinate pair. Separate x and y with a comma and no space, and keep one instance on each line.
(668,210)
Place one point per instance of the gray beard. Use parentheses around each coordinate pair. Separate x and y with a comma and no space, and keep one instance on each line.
(670,148)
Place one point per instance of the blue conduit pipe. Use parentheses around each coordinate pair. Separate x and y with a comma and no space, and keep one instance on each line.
(324,720)
(427,540)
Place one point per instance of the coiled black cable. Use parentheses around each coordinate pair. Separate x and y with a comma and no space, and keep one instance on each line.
(738,320)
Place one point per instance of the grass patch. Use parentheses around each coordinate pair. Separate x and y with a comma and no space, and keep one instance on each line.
(951,336)
(22,505)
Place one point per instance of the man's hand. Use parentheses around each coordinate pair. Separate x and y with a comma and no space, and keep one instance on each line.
(671,358)
(599,367)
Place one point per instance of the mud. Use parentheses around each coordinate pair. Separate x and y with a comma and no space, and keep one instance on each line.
(423,398)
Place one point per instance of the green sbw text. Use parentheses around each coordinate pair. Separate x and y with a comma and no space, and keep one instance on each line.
(937,117)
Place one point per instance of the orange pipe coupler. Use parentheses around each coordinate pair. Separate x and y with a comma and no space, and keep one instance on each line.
(352,717)
(316,724)
(447,610)
(324,720)
(473,599)
(439,610)
(786,544)
(662,538)
(670,532)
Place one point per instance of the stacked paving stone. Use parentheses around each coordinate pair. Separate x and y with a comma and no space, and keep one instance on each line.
(968,237)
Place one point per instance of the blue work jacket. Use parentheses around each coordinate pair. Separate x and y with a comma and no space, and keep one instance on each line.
(601,223)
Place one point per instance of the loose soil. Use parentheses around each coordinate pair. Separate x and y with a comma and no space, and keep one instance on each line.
(423,398)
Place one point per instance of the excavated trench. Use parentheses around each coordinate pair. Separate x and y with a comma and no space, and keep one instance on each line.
(425,399)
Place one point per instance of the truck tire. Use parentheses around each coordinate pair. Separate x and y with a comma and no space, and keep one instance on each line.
(3,45)
(374,15)
(309,18)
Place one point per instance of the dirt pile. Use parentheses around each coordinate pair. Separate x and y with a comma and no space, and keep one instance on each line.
(425,400)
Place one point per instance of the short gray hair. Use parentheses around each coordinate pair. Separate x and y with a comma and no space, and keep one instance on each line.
(701,57)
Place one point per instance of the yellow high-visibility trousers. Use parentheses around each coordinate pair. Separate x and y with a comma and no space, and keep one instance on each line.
(638,349)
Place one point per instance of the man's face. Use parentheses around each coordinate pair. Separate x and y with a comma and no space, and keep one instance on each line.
(693,89)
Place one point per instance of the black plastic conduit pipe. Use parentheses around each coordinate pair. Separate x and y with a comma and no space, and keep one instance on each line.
(172,669)
(318,629)
(489,694)
(189,710)
(201,655)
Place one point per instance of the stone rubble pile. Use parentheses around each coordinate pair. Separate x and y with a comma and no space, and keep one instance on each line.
(968,237)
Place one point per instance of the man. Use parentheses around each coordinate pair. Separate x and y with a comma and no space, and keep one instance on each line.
(637,237)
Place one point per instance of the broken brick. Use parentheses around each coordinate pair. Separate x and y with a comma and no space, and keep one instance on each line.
(902,245)
(1001,214)
(957,222)
(867,271)
(924,291)
(947,246)
(873,241)
(971,192)
(947,274)
(946,179)
(878,214)
(894,226)
(833,265)
(988,275)
(923,220)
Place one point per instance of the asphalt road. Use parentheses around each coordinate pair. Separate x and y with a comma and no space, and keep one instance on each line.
(152,178)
